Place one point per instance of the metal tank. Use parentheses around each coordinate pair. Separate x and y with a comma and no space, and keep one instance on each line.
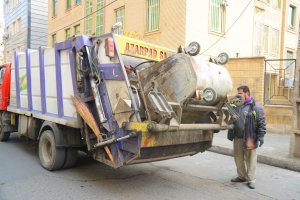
(182,78)
(213,81)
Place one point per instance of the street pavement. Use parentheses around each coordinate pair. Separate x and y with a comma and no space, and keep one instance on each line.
(274,151)
(202,176)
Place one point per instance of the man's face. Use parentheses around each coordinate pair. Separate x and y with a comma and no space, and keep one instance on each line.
(245,94)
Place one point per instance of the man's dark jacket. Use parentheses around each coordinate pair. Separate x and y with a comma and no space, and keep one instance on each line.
(244,111)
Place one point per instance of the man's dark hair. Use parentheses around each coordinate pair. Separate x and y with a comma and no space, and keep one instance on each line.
(244,88)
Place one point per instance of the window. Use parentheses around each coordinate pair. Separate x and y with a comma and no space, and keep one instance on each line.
(88,20)
(289,69)
(68,33)
(53,39)
(152,15)
(217,16)
(274,42)
(13,28)
(265,39)
(119,16)
(100,17)
(18,25)
(77,29)
(276,4)
(291,17)
(77,1)
(69,4)
(54,8)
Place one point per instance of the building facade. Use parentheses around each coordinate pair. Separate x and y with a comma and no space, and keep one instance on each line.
(1,34)
(26,25)
(248,30)
(93,17)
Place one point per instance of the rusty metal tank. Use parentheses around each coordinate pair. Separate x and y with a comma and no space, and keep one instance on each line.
(181,78)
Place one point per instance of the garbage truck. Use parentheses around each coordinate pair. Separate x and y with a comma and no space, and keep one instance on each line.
(120,100)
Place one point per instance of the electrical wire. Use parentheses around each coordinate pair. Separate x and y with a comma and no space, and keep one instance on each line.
(229,28)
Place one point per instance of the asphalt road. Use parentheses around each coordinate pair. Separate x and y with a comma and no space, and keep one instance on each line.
(203,176)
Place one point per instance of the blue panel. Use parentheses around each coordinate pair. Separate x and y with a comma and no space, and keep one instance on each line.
(112,72)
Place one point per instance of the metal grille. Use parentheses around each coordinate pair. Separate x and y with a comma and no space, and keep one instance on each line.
(279,79)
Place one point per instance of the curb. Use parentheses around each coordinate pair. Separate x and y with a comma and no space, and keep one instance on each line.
(285,163)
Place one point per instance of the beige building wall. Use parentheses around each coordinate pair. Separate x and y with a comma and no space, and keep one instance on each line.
(172,23)
(171,31)
(250,72)
(64,19)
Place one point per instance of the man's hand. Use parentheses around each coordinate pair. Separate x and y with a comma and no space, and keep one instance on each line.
(260,141)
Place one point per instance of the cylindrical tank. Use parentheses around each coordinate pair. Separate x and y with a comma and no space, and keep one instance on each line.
(212,79)
(181,77)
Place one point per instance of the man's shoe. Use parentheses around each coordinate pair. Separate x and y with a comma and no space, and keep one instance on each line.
(237,179)
(251,185)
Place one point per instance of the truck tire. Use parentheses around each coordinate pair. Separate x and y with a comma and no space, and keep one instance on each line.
(4,136)
(51,157)
(71,157)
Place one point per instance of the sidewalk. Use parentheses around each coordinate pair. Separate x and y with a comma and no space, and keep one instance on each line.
(275,150)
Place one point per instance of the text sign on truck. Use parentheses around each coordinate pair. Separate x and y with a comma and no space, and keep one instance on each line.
(137,48)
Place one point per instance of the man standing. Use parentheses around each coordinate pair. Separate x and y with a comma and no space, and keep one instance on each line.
(247,135)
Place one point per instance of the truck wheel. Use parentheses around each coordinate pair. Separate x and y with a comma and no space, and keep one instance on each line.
(4,136)
(71,157)
(51,157)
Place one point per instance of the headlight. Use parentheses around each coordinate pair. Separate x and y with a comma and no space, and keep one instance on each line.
(209,95)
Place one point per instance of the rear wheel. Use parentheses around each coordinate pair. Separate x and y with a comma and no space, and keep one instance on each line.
(71,157)
(51,157)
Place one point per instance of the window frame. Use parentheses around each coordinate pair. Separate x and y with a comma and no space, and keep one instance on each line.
(68,5)
(292,18)
(122,16)
(18,25)
(89,17)
(75,29)
(265,39)
(217,17)
(53,39)
(276,47)
(154,10)
(289,71)
(54,8)
(67,31)
(278,4)
(100,17)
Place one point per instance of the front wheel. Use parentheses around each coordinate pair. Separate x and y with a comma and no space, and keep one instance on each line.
(4,136)
(51,157)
